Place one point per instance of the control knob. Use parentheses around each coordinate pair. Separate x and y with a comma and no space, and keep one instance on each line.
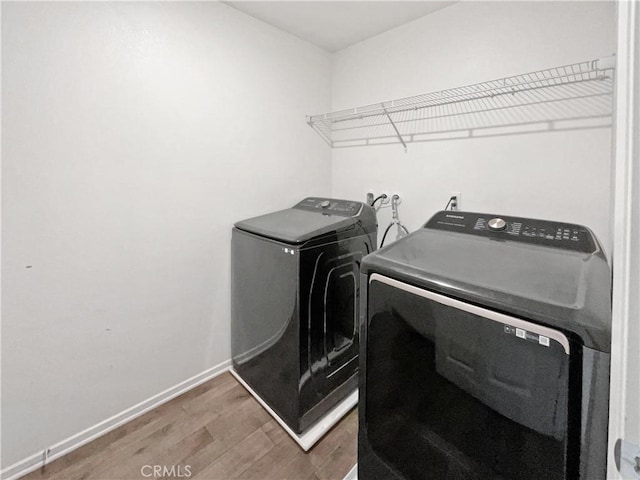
(497,224)
(325,204)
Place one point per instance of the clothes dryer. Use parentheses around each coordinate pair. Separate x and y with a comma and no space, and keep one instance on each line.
(485,352)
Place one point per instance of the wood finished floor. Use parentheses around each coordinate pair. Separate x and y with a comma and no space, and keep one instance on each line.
(220,432)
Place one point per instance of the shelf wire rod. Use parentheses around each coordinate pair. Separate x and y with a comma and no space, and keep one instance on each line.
(501,103)
(394,140)
(587,86)
(496,104)
(460,97)
(571,72)
(531,83)
(586,92)
(326,136)
(538,86)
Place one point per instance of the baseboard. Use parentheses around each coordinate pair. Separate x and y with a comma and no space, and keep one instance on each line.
(66,446)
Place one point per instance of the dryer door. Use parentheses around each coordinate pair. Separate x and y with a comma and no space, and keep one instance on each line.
(463,392)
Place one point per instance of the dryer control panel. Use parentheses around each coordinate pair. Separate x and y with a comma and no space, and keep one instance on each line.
(330,206)
(526,230)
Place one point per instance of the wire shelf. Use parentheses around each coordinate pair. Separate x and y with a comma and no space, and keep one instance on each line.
(549,99)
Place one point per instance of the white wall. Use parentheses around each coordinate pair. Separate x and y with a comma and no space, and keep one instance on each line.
(559,175)
(134,134)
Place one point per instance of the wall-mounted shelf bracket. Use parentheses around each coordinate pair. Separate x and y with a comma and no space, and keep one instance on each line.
(396,130)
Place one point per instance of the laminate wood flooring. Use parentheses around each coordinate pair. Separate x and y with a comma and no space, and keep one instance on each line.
(217,431)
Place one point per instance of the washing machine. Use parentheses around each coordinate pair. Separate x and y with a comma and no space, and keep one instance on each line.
(485,350)
(295,277)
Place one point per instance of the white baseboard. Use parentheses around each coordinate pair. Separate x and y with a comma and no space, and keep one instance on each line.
(66,446)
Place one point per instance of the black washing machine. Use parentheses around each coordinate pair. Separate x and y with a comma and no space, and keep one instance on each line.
(295,277)
(485,352)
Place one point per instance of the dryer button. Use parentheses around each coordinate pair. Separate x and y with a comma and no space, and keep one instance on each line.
(497,224)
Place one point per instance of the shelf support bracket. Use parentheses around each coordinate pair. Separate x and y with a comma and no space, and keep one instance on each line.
(396,129)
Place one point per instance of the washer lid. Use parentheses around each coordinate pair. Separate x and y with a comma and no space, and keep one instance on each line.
(560,287)
(311,218)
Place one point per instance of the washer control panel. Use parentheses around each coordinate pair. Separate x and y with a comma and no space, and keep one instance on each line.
(330,206)
(538,232)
